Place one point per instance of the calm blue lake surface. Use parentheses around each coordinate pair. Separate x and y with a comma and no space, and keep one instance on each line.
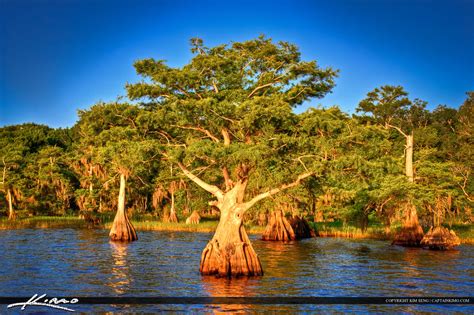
(76,262)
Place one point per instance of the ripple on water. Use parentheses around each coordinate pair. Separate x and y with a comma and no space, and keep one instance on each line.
(68,262)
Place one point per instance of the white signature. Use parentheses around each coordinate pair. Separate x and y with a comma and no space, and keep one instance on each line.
(36,300)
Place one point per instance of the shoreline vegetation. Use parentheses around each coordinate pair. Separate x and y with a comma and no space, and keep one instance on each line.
(220,135)
(208,225)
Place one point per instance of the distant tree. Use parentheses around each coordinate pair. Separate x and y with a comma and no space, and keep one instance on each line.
(11,159)
(121,151)
(21,149)
(465,155)
(390,107)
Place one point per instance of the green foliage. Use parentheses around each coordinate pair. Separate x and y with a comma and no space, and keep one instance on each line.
(232,107)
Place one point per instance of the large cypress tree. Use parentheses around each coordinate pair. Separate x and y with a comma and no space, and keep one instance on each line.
(231,130)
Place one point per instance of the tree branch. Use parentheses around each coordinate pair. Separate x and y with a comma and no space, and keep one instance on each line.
(228,181)
(463,187)
(274,191)
(214,190)
(302,163)
(182,91)
(299,93)
(4,170)
(205,131)
(223,117)
(397,128)
(226,136)
(264,86)
(215,86)
(197,93)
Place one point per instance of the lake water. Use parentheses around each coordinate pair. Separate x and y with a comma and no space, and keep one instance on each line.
(74,262)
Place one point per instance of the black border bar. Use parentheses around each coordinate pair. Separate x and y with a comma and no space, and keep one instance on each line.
(274,300)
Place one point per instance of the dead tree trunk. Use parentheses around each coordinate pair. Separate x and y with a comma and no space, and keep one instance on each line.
(408,152)
(409,157)
(172,217)
(122,229)
(11,213)
(229,253)
(411,233)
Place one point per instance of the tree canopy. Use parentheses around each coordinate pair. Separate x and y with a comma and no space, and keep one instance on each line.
(227,118)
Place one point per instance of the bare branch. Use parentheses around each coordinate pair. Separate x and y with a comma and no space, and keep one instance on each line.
(463,187)
(228,181)
(205,131)
(245,66)
(111,179)
(380,207)
(124,117)
(396,128)
(214,190)
(226,136)
(302,163)
(223,117)
(264,86)
(182,91)
(197,93)
(140,179)
(4,170)
(299,93)
(274,191)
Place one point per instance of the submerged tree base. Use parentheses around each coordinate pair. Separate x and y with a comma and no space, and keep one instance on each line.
(411,233)
(301,228)
(122,229)
(440,238)
(171,218)
(281,229)
(194,218)
(230,257)
(409,236)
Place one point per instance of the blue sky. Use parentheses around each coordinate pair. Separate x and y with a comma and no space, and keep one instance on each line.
(58,56)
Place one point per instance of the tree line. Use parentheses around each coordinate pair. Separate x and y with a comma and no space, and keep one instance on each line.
(221,132)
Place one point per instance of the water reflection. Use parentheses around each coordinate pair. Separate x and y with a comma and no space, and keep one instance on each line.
(120,279)
(222,287)
(84,263)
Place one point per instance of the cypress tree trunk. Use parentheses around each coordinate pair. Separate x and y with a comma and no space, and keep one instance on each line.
(173,217)
(194,218)
(409,158)
(229,252)
(440,238)
(11,213)
(278,228)
(122,229)
(411,233)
